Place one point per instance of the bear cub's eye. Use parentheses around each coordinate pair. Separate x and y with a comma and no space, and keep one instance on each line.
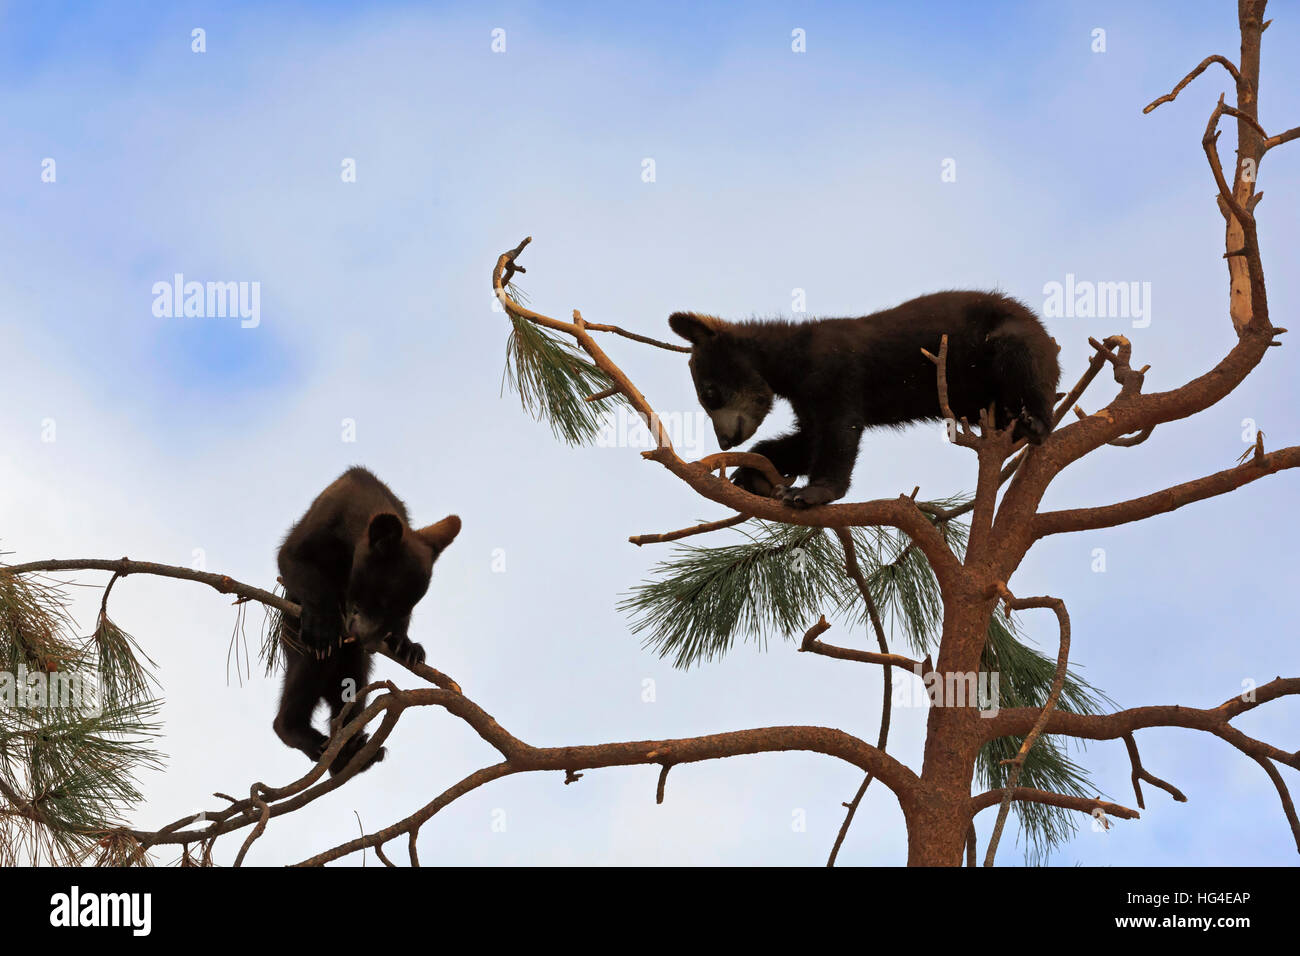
(710,397)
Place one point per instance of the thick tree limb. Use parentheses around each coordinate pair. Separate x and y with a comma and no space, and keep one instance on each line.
(1014,721)
(265,803)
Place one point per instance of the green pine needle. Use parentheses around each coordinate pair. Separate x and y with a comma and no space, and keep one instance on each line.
(122,670)
(553,379)
(774,582)
(271,653)
(1024,680)
(71,764)
(702,599)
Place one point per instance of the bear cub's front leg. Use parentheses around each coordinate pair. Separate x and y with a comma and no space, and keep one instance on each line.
(831,468)
(788,454)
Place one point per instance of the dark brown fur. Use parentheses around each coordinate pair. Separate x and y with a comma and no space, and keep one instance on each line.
(357,568)
(843,375)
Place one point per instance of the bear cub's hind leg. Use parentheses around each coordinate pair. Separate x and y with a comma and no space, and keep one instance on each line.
(345,700)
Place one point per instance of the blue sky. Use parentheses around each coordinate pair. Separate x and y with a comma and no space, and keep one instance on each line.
(774,171)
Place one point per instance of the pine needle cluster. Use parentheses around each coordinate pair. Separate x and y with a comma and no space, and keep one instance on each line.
(777,579)
(68,761)
(553,379)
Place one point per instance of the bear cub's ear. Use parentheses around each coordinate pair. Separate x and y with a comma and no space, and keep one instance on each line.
(441,533)
(385,531)
(693,327)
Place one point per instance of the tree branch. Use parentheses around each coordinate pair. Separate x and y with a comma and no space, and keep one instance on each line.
(705,528)
(887,693)
(1049,705)
(1140,774)
(1215,720)
(1027,794)
(813,645)
(1166,500)
(1172,94)
(901,513)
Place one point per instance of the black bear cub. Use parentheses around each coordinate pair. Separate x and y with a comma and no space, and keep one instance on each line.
(357,568)
(843,375)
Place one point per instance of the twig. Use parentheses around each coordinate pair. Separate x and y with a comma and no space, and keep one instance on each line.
(1140,774)
(663,779)
(811,644)
(1066,801)
(1170,96)
(887,693)
(1058,681)
(960,435)
(256,796)
(1288,807)
(744,459)
(640,539)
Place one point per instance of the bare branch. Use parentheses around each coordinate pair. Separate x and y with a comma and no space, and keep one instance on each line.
(960,435)
(1288,807)
(887,692)
(1140,774)
(1168,499)
(1280,138)
(221,582)
(1027,794)
(705,528)
(1200,68)
(1049,705)
(1013,721)
(255,795)
(121,567)
(813,645)
(744,459)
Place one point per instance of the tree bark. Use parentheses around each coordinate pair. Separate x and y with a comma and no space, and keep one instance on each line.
(939,819)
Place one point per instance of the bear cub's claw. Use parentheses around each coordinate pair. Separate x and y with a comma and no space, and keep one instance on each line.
(406,650)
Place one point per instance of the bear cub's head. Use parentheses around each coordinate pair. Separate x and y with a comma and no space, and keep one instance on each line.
(727,384)
(391,568)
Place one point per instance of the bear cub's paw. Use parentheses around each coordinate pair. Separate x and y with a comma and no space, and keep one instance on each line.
(406,650)
(753,481)
(350,750)
(1030,428)
(809,496)
(319,627)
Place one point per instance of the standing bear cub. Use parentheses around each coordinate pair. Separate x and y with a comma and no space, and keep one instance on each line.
(843,375)
(357,568)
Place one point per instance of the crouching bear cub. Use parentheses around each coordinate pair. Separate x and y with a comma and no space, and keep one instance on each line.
(357,568)
(843,375)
